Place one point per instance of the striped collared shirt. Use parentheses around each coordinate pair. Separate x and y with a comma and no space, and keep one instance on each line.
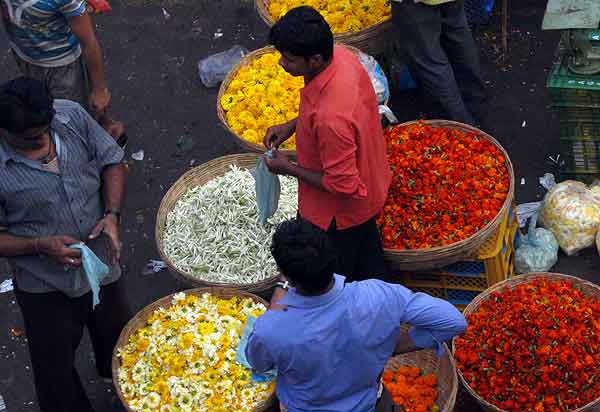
(39,32)
(35,201)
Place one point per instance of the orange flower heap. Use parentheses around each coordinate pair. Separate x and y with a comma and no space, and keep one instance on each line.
(447,185)
(535,347)
(411,390)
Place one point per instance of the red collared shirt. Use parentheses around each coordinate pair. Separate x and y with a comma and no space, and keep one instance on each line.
(339,134)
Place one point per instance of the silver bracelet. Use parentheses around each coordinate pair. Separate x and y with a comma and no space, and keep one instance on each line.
(284,285)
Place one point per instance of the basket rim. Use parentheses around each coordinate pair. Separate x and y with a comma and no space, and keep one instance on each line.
(188,278)
(269,21)
(495,221)
(451,401)
(510,283)
(221,112)
(165,302)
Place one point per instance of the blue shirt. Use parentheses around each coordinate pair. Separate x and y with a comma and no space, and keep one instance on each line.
(330,350)
(39,30)
(35,201)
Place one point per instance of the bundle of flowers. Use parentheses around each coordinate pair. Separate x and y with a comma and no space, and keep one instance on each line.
(533,347)
(412,390)
(343,16)
(447,185)
(261,95)
(213,234)
(183,360)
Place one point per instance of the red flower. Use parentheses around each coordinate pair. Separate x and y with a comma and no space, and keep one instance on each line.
(535,347)
(447,185)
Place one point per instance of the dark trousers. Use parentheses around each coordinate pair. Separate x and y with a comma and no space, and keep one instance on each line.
(54,326)
(360,252)
(442,55)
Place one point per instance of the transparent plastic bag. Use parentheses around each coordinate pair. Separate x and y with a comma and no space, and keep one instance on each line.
(380,82)
(537,251)
(571,211)
(215,68)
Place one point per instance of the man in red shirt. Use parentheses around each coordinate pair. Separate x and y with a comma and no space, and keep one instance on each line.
(342,168)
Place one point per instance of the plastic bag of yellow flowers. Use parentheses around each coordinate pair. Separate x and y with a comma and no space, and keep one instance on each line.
(184,358)
(342,16)
(261,95)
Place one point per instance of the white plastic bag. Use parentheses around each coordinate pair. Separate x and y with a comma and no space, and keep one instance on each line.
(571,211)
(537,251)
(213,69)
(378,79)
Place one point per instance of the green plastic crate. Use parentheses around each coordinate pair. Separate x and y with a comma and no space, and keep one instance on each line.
(579,130)
(580,155)
(578,114)
(571,90)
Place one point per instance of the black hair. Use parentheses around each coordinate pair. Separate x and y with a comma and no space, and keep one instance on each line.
(302,32)
(304,254)
(25,103)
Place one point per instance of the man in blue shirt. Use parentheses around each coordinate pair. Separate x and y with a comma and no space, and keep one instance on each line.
(330,341)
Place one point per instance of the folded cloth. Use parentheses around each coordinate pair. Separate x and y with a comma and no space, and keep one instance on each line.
(268,189)
(241,354)
(95,270)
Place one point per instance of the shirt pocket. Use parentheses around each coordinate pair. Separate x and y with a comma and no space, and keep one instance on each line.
(31,210)
(89,177)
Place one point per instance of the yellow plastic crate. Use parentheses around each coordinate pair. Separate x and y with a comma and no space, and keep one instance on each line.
(459,283)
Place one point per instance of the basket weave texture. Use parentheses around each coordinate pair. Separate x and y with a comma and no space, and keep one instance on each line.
(221,113)
(372,40)
(140,320)
(588,288)
(438,257)
(442,367)
(195,177)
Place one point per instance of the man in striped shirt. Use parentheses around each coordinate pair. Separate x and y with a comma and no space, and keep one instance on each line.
(54,41)
(61,183)
(436,38)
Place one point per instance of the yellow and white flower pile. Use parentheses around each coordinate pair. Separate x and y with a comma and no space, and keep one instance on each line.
(183,360)
(261,95)
(342,16)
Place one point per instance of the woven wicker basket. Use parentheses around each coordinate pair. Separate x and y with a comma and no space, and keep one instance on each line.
(588,288)
(247,59)
(140,319)
(438,257)
(198,176)
(442,367)
(371,40)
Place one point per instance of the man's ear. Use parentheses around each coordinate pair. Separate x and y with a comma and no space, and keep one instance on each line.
(316,62)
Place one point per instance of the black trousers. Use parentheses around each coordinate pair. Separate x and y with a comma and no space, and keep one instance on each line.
(360,252)
(442,55)
(54,326)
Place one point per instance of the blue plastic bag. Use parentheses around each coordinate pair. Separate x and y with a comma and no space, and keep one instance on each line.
(268,189)
(241,353)
(95,270)
(537,251)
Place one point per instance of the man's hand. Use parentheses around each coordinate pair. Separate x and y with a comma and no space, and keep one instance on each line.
(278,134)
(99,99)
(110,227)
(57,247)
(280,163)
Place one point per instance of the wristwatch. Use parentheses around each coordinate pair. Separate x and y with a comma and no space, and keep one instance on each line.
(283,285)
(113,212)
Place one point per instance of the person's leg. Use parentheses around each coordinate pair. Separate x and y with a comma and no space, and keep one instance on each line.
(360,253)
(54,327)
(347,245)
(419,31)
(106,323)
(457,41)
(370,260)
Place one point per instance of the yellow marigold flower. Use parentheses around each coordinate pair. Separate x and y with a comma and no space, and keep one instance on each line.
(261,95)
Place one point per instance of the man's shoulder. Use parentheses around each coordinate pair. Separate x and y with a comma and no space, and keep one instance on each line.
(270,325)
(67,111)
